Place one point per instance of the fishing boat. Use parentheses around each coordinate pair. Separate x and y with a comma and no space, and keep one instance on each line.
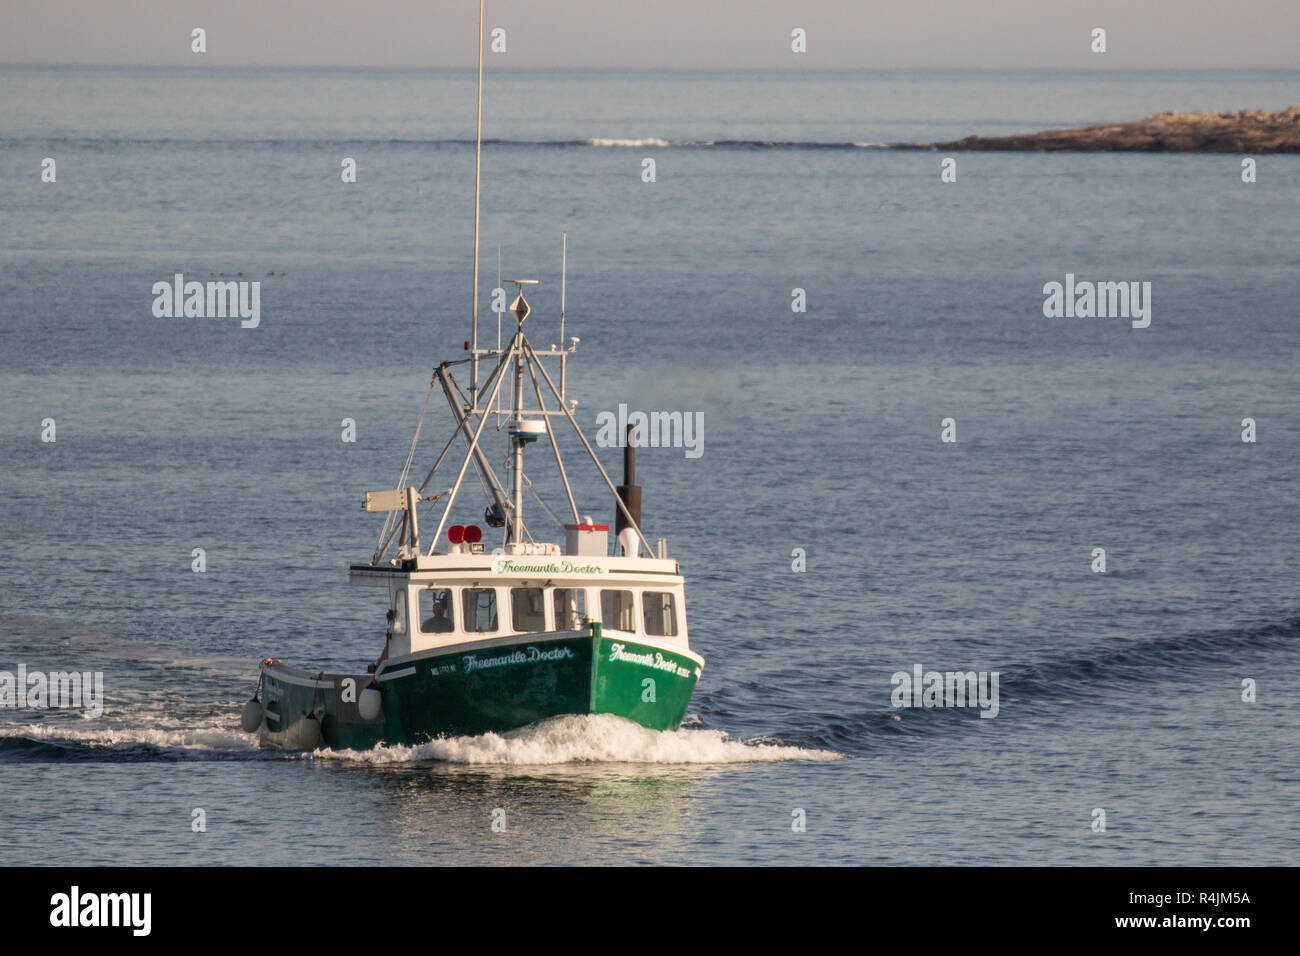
(484,637)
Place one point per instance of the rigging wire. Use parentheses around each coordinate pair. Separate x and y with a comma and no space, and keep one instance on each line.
(538,499)
(406,468)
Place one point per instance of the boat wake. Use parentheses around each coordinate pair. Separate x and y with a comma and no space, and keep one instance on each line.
(60,741)
(1112,673)
(597,738)
(602,738)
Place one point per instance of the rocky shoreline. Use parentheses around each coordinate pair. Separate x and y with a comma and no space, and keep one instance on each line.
(1240,131)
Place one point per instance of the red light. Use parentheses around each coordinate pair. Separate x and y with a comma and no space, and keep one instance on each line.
(466,346)
(473,534)
(456,534)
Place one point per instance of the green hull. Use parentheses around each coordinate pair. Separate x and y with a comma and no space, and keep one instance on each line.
(495,686)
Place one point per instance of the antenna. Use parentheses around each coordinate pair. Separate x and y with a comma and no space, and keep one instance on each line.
(564,269)
(520,309)
(478,166)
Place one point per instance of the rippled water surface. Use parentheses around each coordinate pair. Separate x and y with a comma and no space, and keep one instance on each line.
(1120,691)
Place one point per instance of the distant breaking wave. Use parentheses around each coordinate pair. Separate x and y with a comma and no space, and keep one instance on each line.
(649,141)
(726,144)
(600,142)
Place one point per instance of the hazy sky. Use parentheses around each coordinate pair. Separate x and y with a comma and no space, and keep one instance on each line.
(657,33)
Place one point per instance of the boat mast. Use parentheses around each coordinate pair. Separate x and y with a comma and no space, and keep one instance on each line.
(517,449)
(519,436)
(522,432)
(478,165)
(472,421)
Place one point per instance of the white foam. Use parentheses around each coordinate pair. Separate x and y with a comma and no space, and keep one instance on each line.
(591,739)
(598,738)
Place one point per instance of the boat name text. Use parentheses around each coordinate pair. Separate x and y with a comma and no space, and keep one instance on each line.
(506,566)
(655,660)
(529,656)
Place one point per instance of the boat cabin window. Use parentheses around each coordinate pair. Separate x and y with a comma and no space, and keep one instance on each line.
(618,610)
(528,609)
(435,611)
(660,613)
(570,608)
(480,607)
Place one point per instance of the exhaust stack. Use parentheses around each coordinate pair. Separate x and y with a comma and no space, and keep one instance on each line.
(630,494)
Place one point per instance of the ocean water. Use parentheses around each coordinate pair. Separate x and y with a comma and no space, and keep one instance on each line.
(1119,691)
